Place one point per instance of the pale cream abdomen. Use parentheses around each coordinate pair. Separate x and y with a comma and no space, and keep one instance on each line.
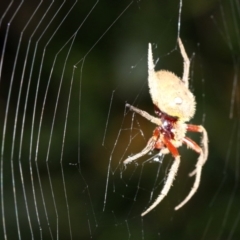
(170,95)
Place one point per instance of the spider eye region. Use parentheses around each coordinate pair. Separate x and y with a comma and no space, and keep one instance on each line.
(170,95)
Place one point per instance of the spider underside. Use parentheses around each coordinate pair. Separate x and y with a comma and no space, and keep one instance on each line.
(173,109)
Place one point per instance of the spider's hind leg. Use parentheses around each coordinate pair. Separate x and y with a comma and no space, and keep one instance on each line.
(186,63)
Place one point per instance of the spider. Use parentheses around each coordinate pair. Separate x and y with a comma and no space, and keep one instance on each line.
(174,105)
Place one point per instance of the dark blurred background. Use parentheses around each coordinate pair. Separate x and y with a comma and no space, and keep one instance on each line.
(97,53)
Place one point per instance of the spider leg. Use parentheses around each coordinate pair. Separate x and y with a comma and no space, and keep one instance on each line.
(170,178)
(151,143)
(186,63)
(144,114)
(150,60)
(148,148)
(198,170)
(204,143)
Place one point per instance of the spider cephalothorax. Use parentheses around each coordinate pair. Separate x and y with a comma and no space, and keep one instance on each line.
(174,105)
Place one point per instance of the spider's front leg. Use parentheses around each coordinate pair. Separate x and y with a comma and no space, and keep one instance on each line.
(203,154)
(171,175)
(204,144)
(150,146)
(152,141)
